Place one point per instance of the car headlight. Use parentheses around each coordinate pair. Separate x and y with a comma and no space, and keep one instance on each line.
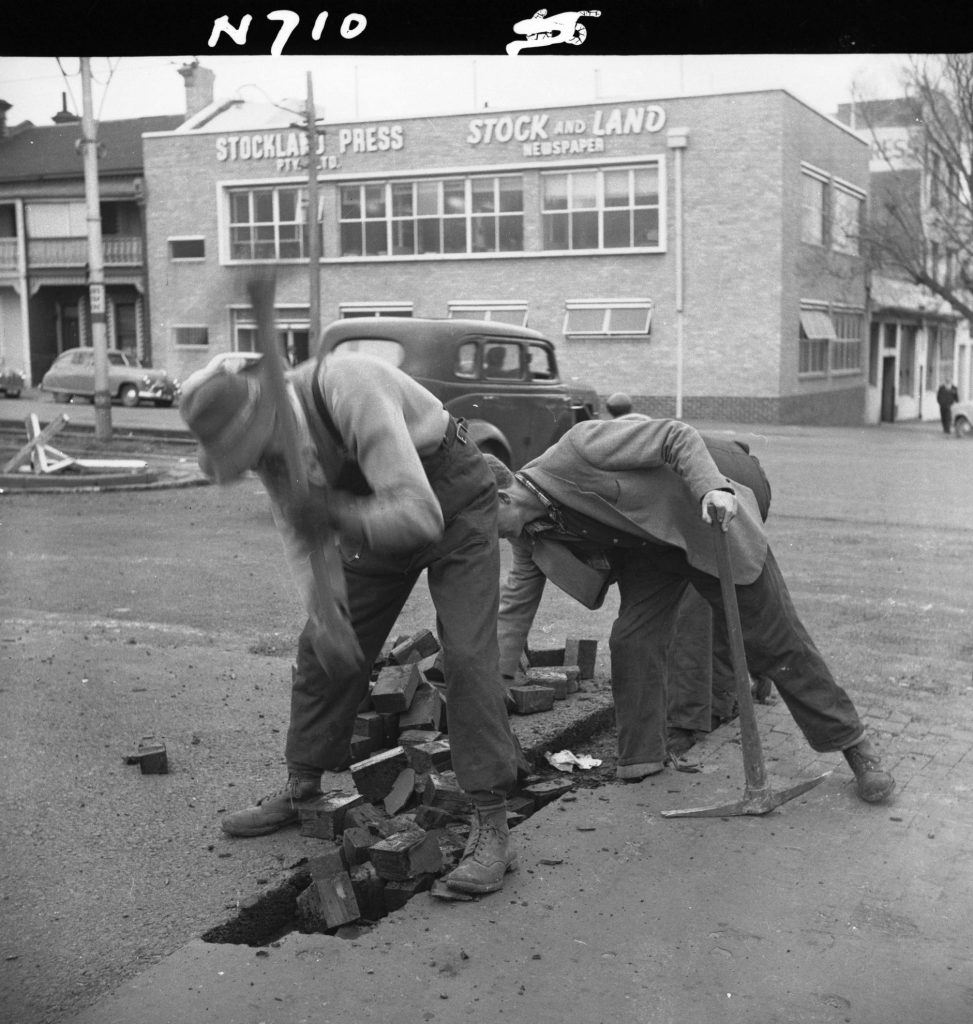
(146,382)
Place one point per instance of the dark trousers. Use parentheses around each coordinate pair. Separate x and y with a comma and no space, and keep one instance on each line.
(464,582)
(945,415)
(700,679)
(777,645)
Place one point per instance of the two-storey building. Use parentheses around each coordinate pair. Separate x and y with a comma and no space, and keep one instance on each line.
(700,253)
(44,255)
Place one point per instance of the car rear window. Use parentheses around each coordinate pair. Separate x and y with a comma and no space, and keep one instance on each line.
(381,348)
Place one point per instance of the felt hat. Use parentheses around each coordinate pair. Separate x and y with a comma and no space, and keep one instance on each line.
(619,404)
(227,412)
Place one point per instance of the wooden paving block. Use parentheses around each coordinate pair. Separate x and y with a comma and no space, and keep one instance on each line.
(370,724)
(369,892)
(443,791)
(395,687)
(328,903)
(431,818)
(582,653)
(420,645)
(431,668)
(355,844)
(369,817)
(549,789)
(550,657)
(406,854)
(427,711)
(362,747)
(397,894)
(530,699)
(555,678)
(402,792)
(414,737)
(431,757)
(330,861)
(375,776)
(574,677)
(325,818)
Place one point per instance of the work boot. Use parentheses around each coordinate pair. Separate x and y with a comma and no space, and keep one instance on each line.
(638,772)
(679,740)
(875,784)
(275,810)
(488,855)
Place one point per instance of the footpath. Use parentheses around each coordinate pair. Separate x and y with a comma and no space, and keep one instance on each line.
(825,910)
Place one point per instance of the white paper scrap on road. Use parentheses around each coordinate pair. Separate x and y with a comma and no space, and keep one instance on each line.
(565,761)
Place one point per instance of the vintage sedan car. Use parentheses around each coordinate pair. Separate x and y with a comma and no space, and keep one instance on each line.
(73,373)
(962,413)
(502,379)
(11,382)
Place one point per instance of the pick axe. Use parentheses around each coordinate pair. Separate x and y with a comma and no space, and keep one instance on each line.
(334,640)
(758,796)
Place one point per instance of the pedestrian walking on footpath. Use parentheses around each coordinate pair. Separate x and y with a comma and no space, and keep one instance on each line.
(631,500)
(946,397)
(396,476)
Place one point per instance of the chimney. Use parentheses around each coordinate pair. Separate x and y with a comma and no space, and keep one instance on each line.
(4,107)
(199,87)
(64,116)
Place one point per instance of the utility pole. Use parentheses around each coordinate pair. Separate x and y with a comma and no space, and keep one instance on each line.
(314,227)
(96,269)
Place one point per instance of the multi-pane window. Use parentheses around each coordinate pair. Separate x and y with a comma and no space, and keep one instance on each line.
(267,224)
(813,209)
(594,317)
(816,333)
(846,227)
(846,349)
(602,209)
(500,312)
(434,215)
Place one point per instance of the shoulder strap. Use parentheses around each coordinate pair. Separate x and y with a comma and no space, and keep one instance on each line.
(318,395)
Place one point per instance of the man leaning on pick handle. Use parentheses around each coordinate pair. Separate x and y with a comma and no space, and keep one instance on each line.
(636,494)
(392,471)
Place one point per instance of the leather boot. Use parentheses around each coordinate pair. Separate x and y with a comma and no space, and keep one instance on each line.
(275,810)
(488,855)
(875,784)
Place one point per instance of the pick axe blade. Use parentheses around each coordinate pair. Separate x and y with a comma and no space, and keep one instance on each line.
(334,639)
(758,796)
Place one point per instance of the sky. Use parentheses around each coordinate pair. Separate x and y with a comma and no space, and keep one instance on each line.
(350,88)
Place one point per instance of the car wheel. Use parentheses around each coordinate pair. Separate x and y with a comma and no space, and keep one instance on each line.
(61,398)
(163,403)
(963,427)
(12,394)
(129,394)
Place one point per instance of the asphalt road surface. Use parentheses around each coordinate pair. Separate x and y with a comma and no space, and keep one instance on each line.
(168,612)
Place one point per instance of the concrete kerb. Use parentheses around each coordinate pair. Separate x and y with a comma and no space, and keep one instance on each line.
(32,483)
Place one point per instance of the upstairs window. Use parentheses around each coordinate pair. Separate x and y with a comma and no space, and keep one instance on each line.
(267,224)
(592,317)
(814,205)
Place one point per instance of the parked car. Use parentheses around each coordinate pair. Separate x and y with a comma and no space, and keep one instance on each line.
(502,379)
(73,373)
(962,413)
(11,382)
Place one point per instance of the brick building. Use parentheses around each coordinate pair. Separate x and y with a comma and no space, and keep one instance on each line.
(44,287)
(916,339)
(700,252)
